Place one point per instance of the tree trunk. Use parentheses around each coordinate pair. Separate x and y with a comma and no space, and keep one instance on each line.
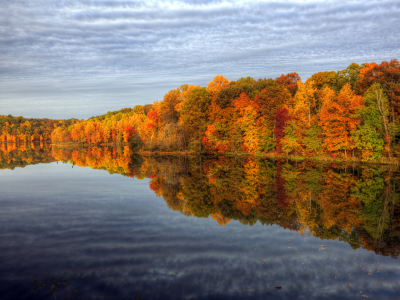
(383,114)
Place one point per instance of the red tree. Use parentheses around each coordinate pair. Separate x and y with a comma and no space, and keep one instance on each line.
(290,81)
(388,75)
(131,132)
(281,118)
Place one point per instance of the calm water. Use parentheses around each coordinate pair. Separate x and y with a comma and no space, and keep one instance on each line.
(118,227)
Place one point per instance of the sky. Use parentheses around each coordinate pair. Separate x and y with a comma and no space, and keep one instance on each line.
(81,58)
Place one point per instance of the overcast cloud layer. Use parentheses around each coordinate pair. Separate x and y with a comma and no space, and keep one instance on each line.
(78,58)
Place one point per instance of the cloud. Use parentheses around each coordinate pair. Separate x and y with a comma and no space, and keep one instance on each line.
(139,42)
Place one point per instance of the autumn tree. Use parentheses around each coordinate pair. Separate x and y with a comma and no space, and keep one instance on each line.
(243,81)
(349,75)
(227,95)
(375,132)
(281,118)
(271,98)
(387,74)
(246,115)
(132,138)
(194,114)
(219,82)
(168,110)
(305,104)
(323,79)
(292,138)
(138,109)
(338,119)
(215,140)
(185,90)
(290,81)
(147,108)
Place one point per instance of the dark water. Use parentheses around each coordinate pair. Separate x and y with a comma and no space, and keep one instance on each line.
(198,228)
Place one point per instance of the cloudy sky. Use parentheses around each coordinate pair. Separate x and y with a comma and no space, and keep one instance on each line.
(79,58)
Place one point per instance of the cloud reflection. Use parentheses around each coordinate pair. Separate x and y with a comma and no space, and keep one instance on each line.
(111,236)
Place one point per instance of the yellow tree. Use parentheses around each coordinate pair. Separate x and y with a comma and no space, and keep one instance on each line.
(304,102)
(185,90)
(219,82)
(168,110)
(194,115)
(303,109)
(247,113)
(338,120)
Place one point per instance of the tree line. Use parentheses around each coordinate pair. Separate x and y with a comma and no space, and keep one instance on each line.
(353,113)
(24,130)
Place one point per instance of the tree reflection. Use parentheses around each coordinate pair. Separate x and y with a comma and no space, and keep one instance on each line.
(21,155)
(356,204)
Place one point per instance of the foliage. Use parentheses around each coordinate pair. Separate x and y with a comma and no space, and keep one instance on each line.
(271,98)
(324,116)
(23,130)
(387,74)
(313,140)
(290,81)
(194,114)
(138,109)
(215,86)
(290,141)
(111,113)
(133,139)
(338,119)
(375,131)
(281,118)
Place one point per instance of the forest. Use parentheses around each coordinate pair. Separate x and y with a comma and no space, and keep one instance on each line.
(352,114)
(22,130)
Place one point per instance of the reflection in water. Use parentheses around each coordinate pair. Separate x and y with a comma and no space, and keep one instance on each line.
(152,249)
(356,205)
(114,160)
(359,205)
(21,155)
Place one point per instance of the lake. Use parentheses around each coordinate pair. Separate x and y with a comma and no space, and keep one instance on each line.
(117,226)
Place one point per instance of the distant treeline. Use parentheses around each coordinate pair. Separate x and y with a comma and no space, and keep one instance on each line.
(353,113)
(22,130)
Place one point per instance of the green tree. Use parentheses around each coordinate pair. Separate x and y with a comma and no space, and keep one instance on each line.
(138,109)
(194,114)
(374,131)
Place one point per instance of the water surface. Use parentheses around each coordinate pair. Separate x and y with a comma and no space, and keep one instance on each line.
(119,226)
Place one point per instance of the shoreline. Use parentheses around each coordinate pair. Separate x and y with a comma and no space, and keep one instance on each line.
(26,142)
(271,155)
